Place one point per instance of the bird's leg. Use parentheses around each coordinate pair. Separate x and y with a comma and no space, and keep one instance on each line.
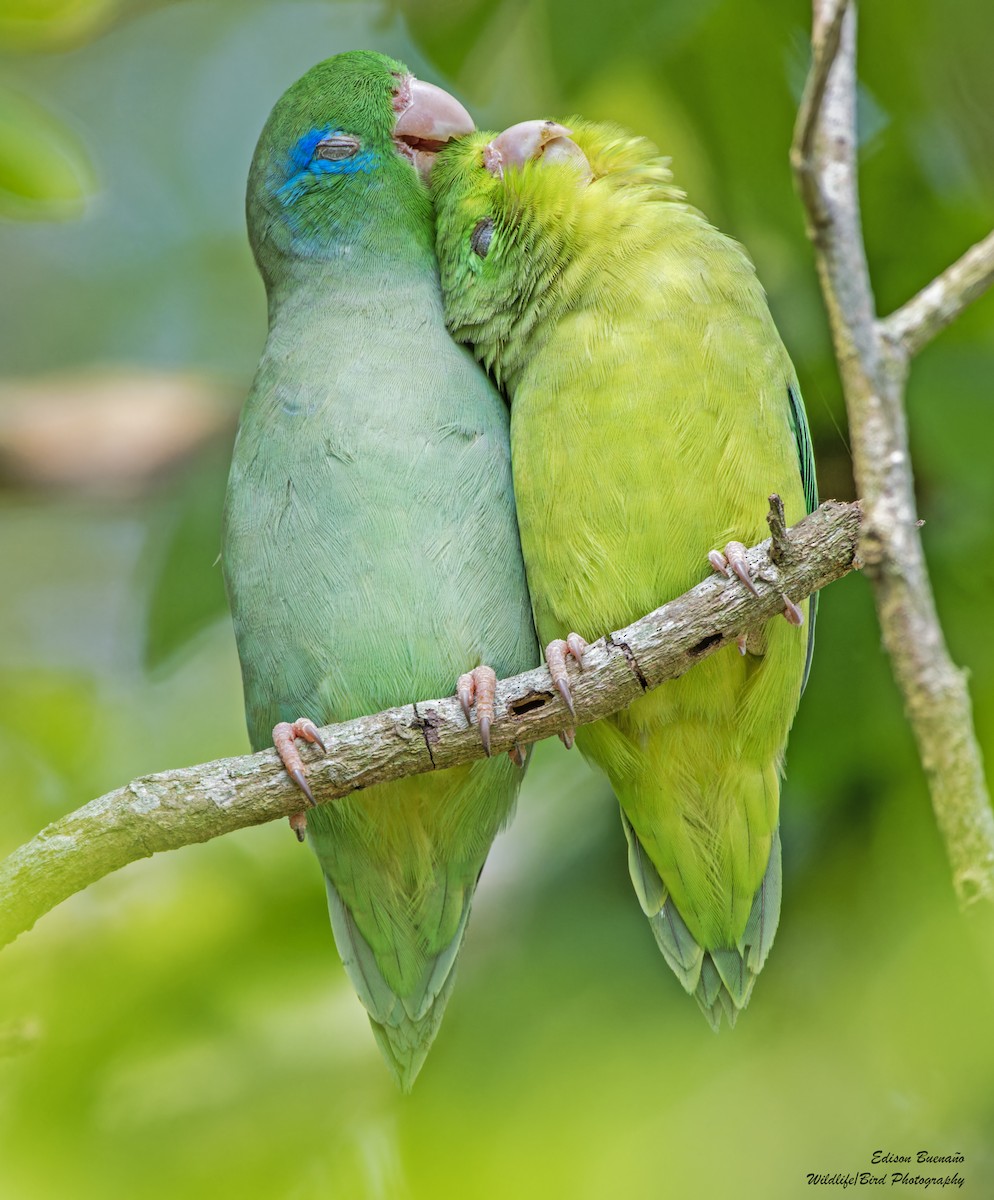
(479,687)
(735,561)
(284,735)
(556,654)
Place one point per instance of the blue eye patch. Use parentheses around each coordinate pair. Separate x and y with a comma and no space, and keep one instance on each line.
(302,164)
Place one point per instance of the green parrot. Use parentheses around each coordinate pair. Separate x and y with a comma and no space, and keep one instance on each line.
(371,550)
(653,411)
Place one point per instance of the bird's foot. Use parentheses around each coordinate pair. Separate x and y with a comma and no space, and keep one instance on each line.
(556,654)
(479,687)
(284,739)
(735,561)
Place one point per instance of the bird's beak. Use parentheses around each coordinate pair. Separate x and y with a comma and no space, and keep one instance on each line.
(427,118)
(544,141)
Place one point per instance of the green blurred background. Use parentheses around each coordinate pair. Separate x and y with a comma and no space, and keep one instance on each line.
(184,1027)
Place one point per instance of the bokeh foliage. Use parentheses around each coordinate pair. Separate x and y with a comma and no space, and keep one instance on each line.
(184,1027)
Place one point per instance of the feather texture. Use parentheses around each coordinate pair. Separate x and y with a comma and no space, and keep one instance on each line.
(654,409)
(371,550)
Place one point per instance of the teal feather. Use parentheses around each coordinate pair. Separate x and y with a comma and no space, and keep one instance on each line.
(809,481)
(371,549)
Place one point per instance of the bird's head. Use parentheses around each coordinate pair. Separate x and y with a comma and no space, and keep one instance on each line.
(505,209)
(344,157)
(527,221)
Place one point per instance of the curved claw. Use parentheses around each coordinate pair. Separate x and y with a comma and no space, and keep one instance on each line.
(464,690)
(791,611)
(304,727)
(479,686)
(556,654)
(284,740)
(736,553)
(735,559)
(518,755)
(300,779)
(577,647)
(719,563)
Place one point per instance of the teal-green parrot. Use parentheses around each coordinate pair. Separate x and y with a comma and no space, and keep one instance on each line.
(653,411)
(371,550)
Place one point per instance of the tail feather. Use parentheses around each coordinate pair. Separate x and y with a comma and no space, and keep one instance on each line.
(761,928)
(359,961)
(729,1009)
(720,979)
(437,973)
(731,966)
(681,951)
(404,1026)
(405,1044)
(649,888)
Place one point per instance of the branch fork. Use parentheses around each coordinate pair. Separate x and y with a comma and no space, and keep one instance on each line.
(874,358)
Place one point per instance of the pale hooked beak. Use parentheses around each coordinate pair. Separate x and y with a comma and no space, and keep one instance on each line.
(427,118)
(543,140)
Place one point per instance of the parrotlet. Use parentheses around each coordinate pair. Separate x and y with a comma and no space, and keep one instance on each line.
(371,551)
(654,410)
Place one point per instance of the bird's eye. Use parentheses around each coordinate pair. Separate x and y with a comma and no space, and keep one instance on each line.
(337,147)
(482,236)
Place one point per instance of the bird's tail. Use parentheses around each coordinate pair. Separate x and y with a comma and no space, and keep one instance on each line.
(405,1026)
(719,979)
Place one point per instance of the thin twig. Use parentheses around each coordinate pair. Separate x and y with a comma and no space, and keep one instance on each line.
(873,360)
(179,808)
(776,518)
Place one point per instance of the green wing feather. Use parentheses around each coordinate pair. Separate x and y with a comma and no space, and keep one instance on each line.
(806,459)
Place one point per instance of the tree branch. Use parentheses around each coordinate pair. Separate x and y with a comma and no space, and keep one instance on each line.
(825,47)
(178,808)
(873,361)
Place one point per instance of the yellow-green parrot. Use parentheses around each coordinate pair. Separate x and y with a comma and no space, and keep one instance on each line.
(371,551)
(654,409)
